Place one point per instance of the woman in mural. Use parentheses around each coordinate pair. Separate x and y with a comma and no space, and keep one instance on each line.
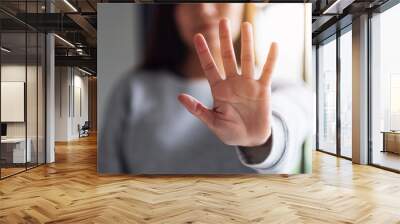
(199,103)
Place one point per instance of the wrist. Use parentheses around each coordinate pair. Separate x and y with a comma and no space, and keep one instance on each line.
(256,154)
(255,142)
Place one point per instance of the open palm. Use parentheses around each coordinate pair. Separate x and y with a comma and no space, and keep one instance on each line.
(241,114)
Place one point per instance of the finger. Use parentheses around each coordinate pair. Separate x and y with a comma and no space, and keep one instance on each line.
(247,54)
(206,60)
(227,52)
(269,64)
(197,109)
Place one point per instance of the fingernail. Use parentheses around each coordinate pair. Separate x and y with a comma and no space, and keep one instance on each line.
(196,108)
(226,20)
(180,97)
(200,44)
(248,26)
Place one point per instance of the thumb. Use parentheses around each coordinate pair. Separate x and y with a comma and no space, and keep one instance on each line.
(197,109)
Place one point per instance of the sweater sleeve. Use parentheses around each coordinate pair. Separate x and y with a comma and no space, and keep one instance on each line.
(292,123)
(109,157)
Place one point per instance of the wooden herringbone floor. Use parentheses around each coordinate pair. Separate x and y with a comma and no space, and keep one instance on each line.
(70,191)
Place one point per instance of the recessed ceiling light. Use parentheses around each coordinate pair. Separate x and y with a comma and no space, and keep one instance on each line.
(84,71)
(70,5)
(337,7)
(5,50)
(64,40)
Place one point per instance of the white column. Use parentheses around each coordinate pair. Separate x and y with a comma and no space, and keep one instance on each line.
(50,99)
(360,90)
(50,92)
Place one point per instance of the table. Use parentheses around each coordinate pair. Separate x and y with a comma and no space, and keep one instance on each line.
(15,148)
(391,141)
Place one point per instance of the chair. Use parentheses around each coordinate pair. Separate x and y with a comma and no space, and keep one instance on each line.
(84,130)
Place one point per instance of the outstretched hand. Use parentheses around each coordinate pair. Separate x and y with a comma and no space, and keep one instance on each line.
(241,114)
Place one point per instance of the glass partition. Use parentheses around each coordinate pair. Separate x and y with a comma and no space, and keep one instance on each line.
(31,100)
(22,88)
(41,91)
(14,153)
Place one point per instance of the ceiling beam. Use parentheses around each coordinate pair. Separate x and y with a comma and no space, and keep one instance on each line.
(337,7)
(84,24)
(84,61)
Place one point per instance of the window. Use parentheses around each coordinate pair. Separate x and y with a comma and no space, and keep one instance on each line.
(385,89)
(327,97)
(346,94)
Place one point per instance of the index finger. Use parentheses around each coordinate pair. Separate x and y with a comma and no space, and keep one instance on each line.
(206,60)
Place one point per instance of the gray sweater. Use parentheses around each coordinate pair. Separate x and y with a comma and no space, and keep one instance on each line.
(147,131)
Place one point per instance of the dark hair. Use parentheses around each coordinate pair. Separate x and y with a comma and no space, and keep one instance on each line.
(164,47)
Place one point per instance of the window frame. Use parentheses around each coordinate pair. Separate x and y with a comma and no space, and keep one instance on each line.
(334,37)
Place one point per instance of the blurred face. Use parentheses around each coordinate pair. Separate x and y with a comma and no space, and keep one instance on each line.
(204,18)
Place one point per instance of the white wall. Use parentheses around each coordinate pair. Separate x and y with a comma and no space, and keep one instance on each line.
(33,126)
(80,83)
(274,24)
(118,39)
(12,73)
(61,103)
(67,116)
